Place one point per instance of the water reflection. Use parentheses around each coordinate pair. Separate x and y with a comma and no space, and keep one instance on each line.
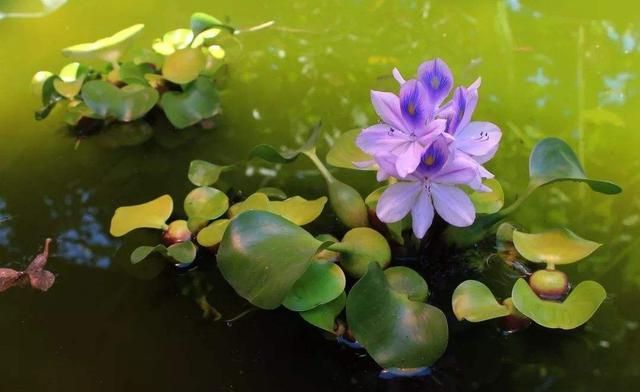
(5,229)
(29,8)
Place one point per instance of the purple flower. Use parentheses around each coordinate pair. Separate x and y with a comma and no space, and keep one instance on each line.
(407,127)
(431,188)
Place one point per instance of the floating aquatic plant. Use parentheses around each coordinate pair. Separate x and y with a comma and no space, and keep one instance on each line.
(177,76)
(544,296)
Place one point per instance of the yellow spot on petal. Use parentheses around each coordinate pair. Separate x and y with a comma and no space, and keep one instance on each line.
(411,109)
(435,82)
(429,160)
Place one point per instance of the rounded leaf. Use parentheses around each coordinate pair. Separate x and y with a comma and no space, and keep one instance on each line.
(212,235)
(553,160)
(298,210)
(152,215)
(198,102)
(262,255)
(488,202)
(396,331)
(126,104)
(348,204)
(108,49)
(321,283)
(201,22)
(183,66)
(203,173)
(142,252)
(408,282)
(205,203)
(359,247)
(37,82)
(183,252)
(345,152)
(556,246)
(581,304)
(324,316)
(473,301)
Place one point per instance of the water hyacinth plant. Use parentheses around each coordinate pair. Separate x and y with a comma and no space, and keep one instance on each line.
(176,76)
(429,148)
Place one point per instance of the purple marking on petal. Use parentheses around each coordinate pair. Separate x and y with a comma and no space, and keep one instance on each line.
(381,139)
(422,214)
(387,106)
(456,111)
(396,202)
(436,79)
(414,105)
(479,138)
(434,158)
(453,205)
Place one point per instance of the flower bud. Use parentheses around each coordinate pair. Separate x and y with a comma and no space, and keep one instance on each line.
(176,232)
(550,284)
(348,204)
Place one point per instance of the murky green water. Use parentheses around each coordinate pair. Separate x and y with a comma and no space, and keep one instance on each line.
(547,66)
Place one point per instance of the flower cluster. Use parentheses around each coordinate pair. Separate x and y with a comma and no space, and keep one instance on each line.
(431,147)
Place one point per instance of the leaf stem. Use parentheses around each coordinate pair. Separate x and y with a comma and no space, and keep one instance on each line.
(311,154)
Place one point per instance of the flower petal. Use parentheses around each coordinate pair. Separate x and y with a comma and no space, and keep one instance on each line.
(387,105)
(460,169)
(434,158)
(436,79)
(414,105)
(453,205)
(380,139)
(422,214)
(478,138)
(409,160)
(398,76)
(396,202)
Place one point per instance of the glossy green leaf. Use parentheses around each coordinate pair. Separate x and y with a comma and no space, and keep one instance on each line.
(198,102)
(359,247)
(152,215)
(406,281)
(348,204)
(211,235)
(131,73)
(205,38)
(553,160)
(108,49)
(201,22)
(70,80)
(255,202)
(203,173)
(488,202)
(126,104)
(473,301)
(556,246)
(271,154)
(205,203)
(345,152)
(396,331)
(262,256)
(183,66)
(37,82)
(183,252)
(50,97)
(321,283)
(581,304)
(324,316)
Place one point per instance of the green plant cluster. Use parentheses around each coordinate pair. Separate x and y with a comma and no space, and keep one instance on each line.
(176,76)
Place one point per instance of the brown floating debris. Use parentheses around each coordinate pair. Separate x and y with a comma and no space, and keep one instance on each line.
(35,275)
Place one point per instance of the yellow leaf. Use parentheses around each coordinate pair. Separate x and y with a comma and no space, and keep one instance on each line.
(152,215)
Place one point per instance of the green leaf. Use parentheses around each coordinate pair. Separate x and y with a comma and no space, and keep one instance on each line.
(273,193)
(556,246)
(324,316)
(473,301)
(184,66)
(345,152)
(271,154)
(295,209)
(359,247)
(406,281)
(126,104)
(131,73)
(321,283)
(581,304)
(37,82)
(205,203)
(211,235)
(50,97)
(151,215)
(348,204)
(108,49)
(396,331)
(552,160)
(70,80)
(198,102)
(201,22)
(203,173)
(142,252)
(262,255)
(205,38)
(183,252)
(488,202)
